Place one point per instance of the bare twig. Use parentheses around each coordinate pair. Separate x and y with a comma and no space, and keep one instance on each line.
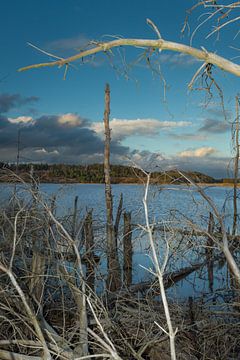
(155,28)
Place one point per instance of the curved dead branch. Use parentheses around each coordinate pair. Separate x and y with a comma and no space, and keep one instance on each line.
(159,44)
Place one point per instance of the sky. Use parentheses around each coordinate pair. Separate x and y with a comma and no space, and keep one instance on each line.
(153,125)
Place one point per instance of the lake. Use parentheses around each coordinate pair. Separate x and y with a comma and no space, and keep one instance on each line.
(174,207)
(163,200)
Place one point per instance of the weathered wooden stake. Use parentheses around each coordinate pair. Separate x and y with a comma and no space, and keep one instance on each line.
(118,218)
(89,244)
(74,223)
(38,263)
(127,249)
(114,274)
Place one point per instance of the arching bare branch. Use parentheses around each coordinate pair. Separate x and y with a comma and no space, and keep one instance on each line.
(207,57)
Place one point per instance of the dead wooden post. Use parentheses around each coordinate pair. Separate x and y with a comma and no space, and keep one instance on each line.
(209,251)
(18,151)
(236,166)
(37,280)
(193,328)
(51,243)
(117,220)
(38,263)
(114,275)
(127,249)
(89,244)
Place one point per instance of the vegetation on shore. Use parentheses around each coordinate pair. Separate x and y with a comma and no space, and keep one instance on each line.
(94,173)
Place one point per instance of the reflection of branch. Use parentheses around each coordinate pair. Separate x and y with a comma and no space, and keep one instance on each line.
(160,44)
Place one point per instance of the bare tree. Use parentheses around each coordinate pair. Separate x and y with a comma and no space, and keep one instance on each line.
(114,275)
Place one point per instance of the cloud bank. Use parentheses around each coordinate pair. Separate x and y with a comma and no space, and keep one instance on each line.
(197,153)
(123,128)
(214,126)
(70,138)
(12,101)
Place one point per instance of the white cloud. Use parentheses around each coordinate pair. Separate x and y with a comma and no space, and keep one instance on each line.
(122,128)
(179,59)
(43,151)
(21,120)
(70,119)
(189,136)
(198,153)
(72,43)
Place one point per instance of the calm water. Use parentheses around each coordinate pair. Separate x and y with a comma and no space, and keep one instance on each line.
(173,206)
(162,200)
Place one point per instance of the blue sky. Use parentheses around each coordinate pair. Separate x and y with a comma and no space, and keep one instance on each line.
(61,120)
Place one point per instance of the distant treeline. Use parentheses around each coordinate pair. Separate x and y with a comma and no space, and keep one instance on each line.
(63,173)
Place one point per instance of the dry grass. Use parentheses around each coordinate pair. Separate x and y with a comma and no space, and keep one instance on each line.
(48,311)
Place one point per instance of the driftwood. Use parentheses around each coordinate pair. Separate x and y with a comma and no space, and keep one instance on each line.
(9,355)
(169,279)
(192,232)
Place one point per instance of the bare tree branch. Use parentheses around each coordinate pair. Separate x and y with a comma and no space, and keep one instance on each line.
(207,57)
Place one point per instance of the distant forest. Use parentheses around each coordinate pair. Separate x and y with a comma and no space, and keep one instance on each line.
(62,173)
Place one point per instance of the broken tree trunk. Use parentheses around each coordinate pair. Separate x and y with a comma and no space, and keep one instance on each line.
(114,275)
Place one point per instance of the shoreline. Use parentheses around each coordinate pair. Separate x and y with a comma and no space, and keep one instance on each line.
(217,184)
